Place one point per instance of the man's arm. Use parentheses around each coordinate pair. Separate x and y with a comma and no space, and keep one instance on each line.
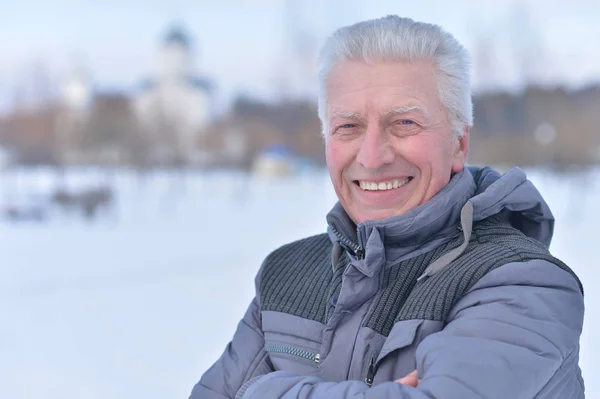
(514,335)
(243,359)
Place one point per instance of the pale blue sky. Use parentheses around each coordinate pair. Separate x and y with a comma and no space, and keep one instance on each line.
(240,42)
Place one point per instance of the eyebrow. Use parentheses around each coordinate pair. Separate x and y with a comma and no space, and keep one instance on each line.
(405,110)
(344,114)
(394,111)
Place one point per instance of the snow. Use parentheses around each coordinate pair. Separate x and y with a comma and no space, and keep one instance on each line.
(139,303)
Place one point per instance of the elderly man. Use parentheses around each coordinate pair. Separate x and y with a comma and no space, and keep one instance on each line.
(434,279)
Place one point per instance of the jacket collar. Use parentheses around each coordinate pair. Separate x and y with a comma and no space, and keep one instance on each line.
(399,236)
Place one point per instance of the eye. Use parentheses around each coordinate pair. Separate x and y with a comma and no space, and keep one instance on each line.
(347,130)
(405,127)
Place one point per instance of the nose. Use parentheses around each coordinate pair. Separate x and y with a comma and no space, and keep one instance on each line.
(375,149)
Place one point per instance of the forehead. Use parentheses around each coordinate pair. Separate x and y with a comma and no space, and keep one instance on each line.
(359,86)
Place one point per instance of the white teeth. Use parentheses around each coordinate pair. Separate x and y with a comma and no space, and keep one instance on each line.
(371,186)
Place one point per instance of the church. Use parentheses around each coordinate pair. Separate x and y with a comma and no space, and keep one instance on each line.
(160,123)
(175,106)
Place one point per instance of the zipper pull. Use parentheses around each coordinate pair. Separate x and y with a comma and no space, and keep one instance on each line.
(370,372)
(318,358)
(360,253)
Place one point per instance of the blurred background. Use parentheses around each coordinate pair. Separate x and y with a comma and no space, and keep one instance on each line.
(152,153)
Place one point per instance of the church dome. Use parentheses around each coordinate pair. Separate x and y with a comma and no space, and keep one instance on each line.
(177,35)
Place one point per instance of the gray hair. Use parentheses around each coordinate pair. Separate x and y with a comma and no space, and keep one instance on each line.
(393,38)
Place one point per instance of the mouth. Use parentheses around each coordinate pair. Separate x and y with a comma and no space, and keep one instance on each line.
(367,185)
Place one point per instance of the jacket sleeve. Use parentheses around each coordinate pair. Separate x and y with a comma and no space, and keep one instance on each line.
(243,358)
(515,334)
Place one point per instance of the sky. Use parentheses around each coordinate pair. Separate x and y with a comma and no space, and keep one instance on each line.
(243,45)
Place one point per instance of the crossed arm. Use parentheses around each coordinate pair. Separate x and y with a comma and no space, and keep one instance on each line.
(515,334)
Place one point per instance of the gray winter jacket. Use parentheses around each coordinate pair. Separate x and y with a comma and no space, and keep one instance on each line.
(461,289)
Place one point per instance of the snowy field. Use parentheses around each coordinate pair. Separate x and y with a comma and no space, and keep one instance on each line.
(137,304)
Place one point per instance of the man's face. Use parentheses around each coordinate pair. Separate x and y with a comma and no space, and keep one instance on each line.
(389,145)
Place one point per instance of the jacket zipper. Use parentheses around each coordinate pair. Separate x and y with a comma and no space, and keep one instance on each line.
(355,249)
(290,350)
(370,372)
(361,252)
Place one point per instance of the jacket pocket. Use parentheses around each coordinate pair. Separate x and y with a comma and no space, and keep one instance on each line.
(397,356)
(293,354)
(402,335)
(294,351)
(292,344)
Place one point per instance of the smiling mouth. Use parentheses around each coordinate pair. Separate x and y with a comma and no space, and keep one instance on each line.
(366,185)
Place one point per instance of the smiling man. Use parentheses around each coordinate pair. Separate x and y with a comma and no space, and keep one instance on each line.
(434,279)
(390,145)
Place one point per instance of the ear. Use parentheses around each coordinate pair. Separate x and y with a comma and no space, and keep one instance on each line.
(461,151)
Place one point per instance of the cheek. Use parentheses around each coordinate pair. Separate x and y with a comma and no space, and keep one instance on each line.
(416,150)
(427,152)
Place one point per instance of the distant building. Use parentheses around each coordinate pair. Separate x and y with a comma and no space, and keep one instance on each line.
(76,101)
(91,126)
(174,107)
(77,90)
(275,161)
(162,123)
(255,134)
